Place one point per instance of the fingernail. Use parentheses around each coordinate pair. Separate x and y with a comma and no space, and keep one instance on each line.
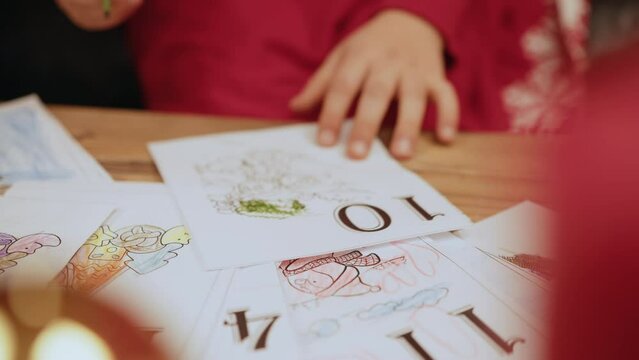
(447,133)
(326,137)
(404,147)
(359,148)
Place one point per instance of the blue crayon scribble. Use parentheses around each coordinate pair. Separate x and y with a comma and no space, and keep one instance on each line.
(422,298)
(144,263)
(25,153)
(324,328)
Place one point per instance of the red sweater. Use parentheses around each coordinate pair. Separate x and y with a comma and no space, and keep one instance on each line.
(248,58)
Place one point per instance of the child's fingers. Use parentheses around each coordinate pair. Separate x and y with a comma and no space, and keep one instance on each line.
(377,94)
(90,15)
(341,92)
(412,107)
(445,98)
(316,86)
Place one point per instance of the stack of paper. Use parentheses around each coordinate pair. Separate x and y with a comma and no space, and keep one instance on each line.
(265,245)
(34,146)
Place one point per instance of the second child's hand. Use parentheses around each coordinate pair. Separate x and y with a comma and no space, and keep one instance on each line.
(396,55)
(96,15)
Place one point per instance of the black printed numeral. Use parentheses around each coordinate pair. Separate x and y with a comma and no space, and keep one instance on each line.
(242,331)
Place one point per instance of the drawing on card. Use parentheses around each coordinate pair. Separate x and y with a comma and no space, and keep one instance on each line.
(25,153)
(272,184)
(423,298)
(351,273)
(349,285)
(536,264)
(107,254)
(336,274)
(13,249)
(324,328)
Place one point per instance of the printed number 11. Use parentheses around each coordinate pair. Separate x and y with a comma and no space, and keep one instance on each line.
(505,346)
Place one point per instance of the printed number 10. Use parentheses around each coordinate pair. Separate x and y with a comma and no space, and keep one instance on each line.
(383,219)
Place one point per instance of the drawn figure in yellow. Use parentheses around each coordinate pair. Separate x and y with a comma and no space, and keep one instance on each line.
(13,249)
(107,254)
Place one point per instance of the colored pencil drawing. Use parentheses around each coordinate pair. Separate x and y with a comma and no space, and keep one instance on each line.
(273,184)
(336,274)
(423,298)
(13,249)
(407,265)
(538,265)
(349,273)
(107,254)
(428,297)
(25,152)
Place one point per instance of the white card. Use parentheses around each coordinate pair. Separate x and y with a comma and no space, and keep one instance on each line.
(403,300)
(142,253)
(520,237)
(207,326)
(253,322)
(270,195)
(38,238)
(522,295)
(35,146)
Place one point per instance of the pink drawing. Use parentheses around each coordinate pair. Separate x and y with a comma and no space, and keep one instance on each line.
(12,248)
(336,274)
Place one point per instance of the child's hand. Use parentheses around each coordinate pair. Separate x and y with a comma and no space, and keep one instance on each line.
(89,15)
(394,55)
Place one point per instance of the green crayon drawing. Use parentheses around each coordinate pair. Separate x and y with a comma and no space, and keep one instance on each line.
(272,184)
(270,209)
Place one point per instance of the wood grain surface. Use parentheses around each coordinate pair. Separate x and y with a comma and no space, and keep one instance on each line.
(482,173)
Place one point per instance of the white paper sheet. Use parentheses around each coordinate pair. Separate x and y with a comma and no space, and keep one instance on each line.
(35,146)
(253,322)
(520,237)
(522,295)
(140,260)
(270,195)
(403,300)
(38,238)
(207,327)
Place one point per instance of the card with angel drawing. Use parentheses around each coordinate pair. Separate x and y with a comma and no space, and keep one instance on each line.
(39,237)
(142,253)
(274,194)
(402,300)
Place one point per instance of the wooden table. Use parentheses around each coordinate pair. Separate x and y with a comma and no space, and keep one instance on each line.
(482,174)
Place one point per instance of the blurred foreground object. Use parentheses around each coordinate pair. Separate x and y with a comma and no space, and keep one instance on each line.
(53,324)
(595,313)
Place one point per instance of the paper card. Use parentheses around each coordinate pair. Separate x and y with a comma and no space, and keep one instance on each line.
(271,195)
(38,238)
(142,253)
(524,297)
(253,322)
(402,300)
(520,237)
(34,146)
(207,326)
